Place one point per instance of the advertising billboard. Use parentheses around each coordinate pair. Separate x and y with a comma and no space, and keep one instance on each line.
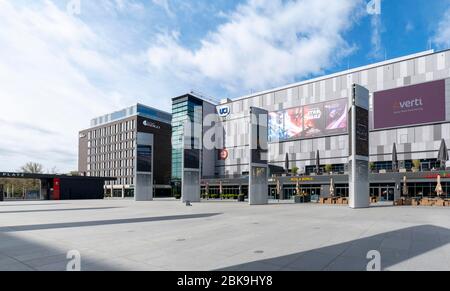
(309,121)
(144,159)
(258,135)
(362,132)
(314,119)
(336,116)
(191,159)
(411,105)
(294,122)
(277,126)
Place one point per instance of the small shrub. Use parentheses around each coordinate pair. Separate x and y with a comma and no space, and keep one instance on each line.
(416,164)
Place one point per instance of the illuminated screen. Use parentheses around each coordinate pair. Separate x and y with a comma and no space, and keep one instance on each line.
(144,159)
(314,120)
(294,122)
(309,121)
(336,116)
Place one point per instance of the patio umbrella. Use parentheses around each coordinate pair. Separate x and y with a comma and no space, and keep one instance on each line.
(221,188)
(443,154)
(278,188)
(207,190)
(286,163)
(317,162)
(332,188)
(394,158)
(439,190)
(297,187)
(240,189)
(405,187)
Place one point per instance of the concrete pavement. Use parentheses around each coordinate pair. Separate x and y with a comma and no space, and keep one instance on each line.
(167,235)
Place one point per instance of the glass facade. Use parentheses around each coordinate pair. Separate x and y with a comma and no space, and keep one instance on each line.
(425,165)
(186,109)
(427,189)
(137,109)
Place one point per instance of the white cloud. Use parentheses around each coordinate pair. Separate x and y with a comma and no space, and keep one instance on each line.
(47,62)
(409,27)
(165,4)
(442,37)
(377,50)
(263,43)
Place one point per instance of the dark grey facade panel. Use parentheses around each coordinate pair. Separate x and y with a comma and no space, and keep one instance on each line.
(437,132)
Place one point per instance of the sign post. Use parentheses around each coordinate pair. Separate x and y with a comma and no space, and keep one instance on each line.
(359,147)
(191,159)
(258,150)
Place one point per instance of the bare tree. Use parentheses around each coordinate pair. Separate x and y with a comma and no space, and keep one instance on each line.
(32,168)
(29,184)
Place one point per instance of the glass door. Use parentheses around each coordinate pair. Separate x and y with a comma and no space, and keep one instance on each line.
(387,194)
(289,192)
(375,192)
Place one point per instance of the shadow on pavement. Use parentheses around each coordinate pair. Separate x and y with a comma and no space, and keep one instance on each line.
(56,210)
(18,204)
(395,247)
(102,222)
(20,254)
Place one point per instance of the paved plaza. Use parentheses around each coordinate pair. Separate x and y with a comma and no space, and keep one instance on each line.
(167,235)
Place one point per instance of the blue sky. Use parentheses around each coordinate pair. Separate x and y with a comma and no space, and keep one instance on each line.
(59,70)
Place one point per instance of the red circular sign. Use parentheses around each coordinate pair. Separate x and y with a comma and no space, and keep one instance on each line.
(223,155)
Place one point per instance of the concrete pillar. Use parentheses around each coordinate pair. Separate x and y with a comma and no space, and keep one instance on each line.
(190,186)
(143,171)
(325,191)
(42,190)
(398,189)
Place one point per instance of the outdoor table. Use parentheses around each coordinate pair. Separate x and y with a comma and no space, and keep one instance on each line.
(440,202)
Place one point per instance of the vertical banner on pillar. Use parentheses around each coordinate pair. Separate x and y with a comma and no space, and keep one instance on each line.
(359,147)
(258,153)
(144,167)
(192,157)
(190,188)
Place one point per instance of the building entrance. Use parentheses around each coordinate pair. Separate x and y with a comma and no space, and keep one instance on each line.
(383,192)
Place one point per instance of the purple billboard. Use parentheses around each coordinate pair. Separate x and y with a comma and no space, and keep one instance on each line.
(411,105)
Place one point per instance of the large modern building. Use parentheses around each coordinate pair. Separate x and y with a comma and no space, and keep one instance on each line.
(409,111)
(132,145)
(189,114)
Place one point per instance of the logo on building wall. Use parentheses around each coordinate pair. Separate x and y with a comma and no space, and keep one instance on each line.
(12,175)
(151,124)
(224,110)
(314,113)
(408,106)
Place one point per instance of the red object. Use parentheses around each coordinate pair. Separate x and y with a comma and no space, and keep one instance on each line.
(56,189)
(223,155)
(434,176)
